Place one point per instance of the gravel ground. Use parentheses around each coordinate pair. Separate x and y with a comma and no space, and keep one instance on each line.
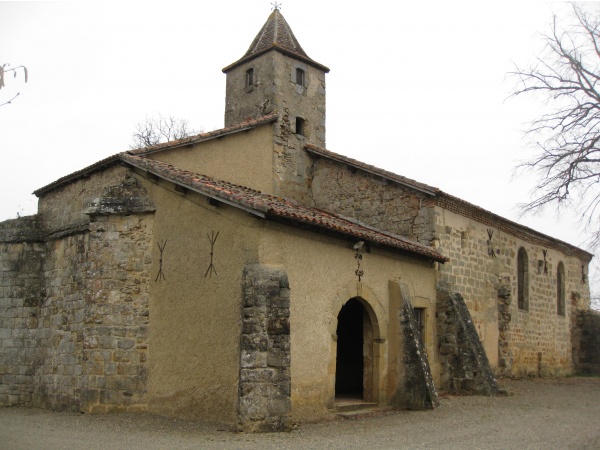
(539,414)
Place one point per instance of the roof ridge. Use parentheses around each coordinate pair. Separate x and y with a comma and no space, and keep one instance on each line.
(189,140)
(441,196)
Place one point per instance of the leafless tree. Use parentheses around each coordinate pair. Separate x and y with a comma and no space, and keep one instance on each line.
(567,77)
(153,131)
(5,69)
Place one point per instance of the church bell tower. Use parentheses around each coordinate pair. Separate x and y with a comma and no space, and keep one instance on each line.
(276,74)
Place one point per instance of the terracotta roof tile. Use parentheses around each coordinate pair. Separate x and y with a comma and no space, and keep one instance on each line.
(459,206)
(279,208)
(242,126)
(189,140)
(277,35)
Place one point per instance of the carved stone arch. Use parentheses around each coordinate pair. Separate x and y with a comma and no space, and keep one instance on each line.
(372,305)
(374,343)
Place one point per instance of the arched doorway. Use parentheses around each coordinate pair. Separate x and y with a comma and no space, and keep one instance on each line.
(354,353)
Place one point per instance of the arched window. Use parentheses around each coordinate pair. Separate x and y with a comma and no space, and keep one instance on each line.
(300,77)
(560,289)
(249,79)
(523,279)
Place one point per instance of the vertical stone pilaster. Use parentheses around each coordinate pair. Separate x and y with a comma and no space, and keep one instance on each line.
(505,359)
(264,403)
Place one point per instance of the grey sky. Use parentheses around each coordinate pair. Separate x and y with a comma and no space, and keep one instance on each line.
(418,89)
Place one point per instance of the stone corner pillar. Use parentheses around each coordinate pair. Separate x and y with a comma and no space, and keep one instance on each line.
(264,403)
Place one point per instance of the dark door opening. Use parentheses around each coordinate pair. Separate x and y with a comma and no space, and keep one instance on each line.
(349,371)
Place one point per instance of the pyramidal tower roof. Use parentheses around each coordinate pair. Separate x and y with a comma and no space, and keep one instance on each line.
(276,35)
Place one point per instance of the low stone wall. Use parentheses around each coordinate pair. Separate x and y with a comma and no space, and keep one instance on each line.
(74,306)
(265,383)
(465,367)
(586,342)
(21,294)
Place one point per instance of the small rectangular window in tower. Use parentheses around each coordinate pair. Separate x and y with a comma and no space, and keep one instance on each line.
(300,77)
(249,80)
(300,125)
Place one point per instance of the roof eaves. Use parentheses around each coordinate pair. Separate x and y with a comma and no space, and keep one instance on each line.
(429,190)
(477,212)
(202,137)
(279,49)
(267,206)
(152,167)
(83,173)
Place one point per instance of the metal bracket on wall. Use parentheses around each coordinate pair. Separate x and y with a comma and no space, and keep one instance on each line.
(211,268)
(545,252)
(491,251)
(160,275)
(359,272)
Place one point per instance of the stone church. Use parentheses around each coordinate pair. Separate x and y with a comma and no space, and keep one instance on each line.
(251,276)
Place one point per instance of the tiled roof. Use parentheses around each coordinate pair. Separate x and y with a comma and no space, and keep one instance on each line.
(268,206)
(243,126)
(371,169)
(276,34)
(459,206)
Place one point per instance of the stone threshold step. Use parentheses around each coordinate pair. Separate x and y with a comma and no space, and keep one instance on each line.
(346,406)
(362,413)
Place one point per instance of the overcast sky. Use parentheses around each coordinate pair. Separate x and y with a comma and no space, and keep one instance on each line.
(418,89)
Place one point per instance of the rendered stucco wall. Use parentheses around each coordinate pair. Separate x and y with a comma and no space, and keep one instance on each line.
(321,272)
(195,311)
(244,158)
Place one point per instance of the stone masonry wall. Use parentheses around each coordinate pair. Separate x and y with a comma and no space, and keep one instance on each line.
(372,200)
(484,271)
(74,301)
(114,349)
(21,293)
(265,383)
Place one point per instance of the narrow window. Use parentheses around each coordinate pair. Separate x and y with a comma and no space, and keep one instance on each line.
(419,315)
(300,125)
(560,289)
(300,77)
(249,79)
(522,279)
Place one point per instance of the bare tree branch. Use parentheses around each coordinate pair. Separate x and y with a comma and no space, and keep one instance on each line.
(4,69)
(153,131)
(567,137)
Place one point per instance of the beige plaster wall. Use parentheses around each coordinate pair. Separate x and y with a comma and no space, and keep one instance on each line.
(195,318)
(322,278)
(244,158)
(477,275)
